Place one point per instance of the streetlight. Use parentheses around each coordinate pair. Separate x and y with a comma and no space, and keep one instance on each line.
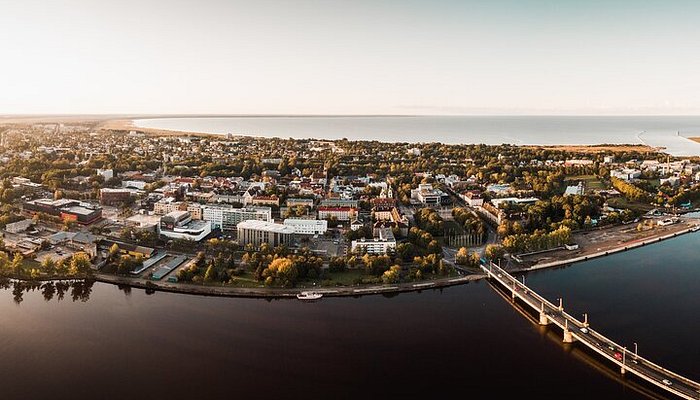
(635,350)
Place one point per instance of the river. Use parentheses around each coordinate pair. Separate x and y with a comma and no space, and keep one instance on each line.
(112,343)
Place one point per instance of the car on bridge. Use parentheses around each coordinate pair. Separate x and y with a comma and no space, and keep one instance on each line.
(667,382)
(584,330)
(618,356)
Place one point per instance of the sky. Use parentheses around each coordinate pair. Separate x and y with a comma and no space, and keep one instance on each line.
(349,57)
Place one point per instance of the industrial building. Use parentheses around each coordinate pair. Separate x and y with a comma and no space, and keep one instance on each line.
(66,209)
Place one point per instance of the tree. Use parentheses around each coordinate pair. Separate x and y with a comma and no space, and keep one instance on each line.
(462,256)
(210,274)
(392,275)
(494,252)
(282,271)
(113,251)
(79,264)
(17,264)
(48,265)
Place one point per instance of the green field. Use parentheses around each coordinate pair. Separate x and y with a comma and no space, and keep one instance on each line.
(591,181)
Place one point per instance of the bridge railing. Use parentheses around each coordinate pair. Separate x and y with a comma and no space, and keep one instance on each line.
(495,270)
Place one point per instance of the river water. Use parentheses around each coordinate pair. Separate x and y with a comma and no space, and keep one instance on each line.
(467,339)
(669,132)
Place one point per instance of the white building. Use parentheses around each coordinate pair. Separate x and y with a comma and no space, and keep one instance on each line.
(134,184)
(626,173)
(259,232)
(385,243)
(307,226)
(514,200)
(227,218)
(426,194)
(106,173)
(180,225)
(574,190)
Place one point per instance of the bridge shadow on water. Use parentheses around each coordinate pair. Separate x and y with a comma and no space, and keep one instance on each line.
(582,354)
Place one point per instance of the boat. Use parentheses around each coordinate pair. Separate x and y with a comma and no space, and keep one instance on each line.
(309,295)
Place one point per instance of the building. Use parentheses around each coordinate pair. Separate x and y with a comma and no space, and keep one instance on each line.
(382,212)
(339,213)
(295,202)
(307,226)
(339,203)
(19,226)
(499,188)
(384,243)
(576,190)
(19,181)
(426,194)
(180,225)
(226,217)
(141,185)
(167,205)
(473,198)
(265,201)
(626,173)
(112,197)
(259,232)
(514,200)
(107,174)
(66,209)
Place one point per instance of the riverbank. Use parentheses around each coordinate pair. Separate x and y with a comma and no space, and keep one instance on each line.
(680,229)
(265,292)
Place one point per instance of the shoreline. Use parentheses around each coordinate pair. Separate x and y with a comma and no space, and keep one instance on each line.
(617,249)
(354,291)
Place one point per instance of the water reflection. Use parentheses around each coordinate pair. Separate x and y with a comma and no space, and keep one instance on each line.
(79,290)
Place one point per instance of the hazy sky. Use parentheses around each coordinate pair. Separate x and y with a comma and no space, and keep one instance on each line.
(350,57)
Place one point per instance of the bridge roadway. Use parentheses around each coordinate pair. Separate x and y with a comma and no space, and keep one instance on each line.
(575,330)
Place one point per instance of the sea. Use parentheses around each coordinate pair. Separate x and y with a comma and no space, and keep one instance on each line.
(670,133)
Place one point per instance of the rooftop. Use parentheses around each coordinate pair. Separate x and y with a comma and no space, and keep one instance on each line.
(265,226)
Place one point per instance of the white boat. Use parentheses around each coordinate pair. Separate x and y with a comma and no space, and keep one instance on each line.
(309,295)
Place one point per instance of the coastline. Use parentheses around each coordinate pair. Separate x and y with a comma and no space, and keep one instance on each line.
(371,290)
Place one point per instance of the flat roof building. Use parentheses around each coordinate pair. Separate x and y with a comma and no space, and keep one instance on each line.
(382,244)
(66,209)
(307,226)
(226,217)
(259,232)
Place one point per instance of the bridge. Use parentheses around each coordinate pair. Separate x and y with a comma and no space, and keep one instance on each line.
(581,332)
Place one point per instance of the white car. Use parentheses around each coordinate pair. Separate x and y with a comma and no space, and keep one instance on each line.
(666,382)
(584,330)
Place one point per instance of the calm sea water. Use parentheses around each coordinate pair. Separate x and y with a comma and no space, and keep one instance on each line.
(464,339)
(669,132)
